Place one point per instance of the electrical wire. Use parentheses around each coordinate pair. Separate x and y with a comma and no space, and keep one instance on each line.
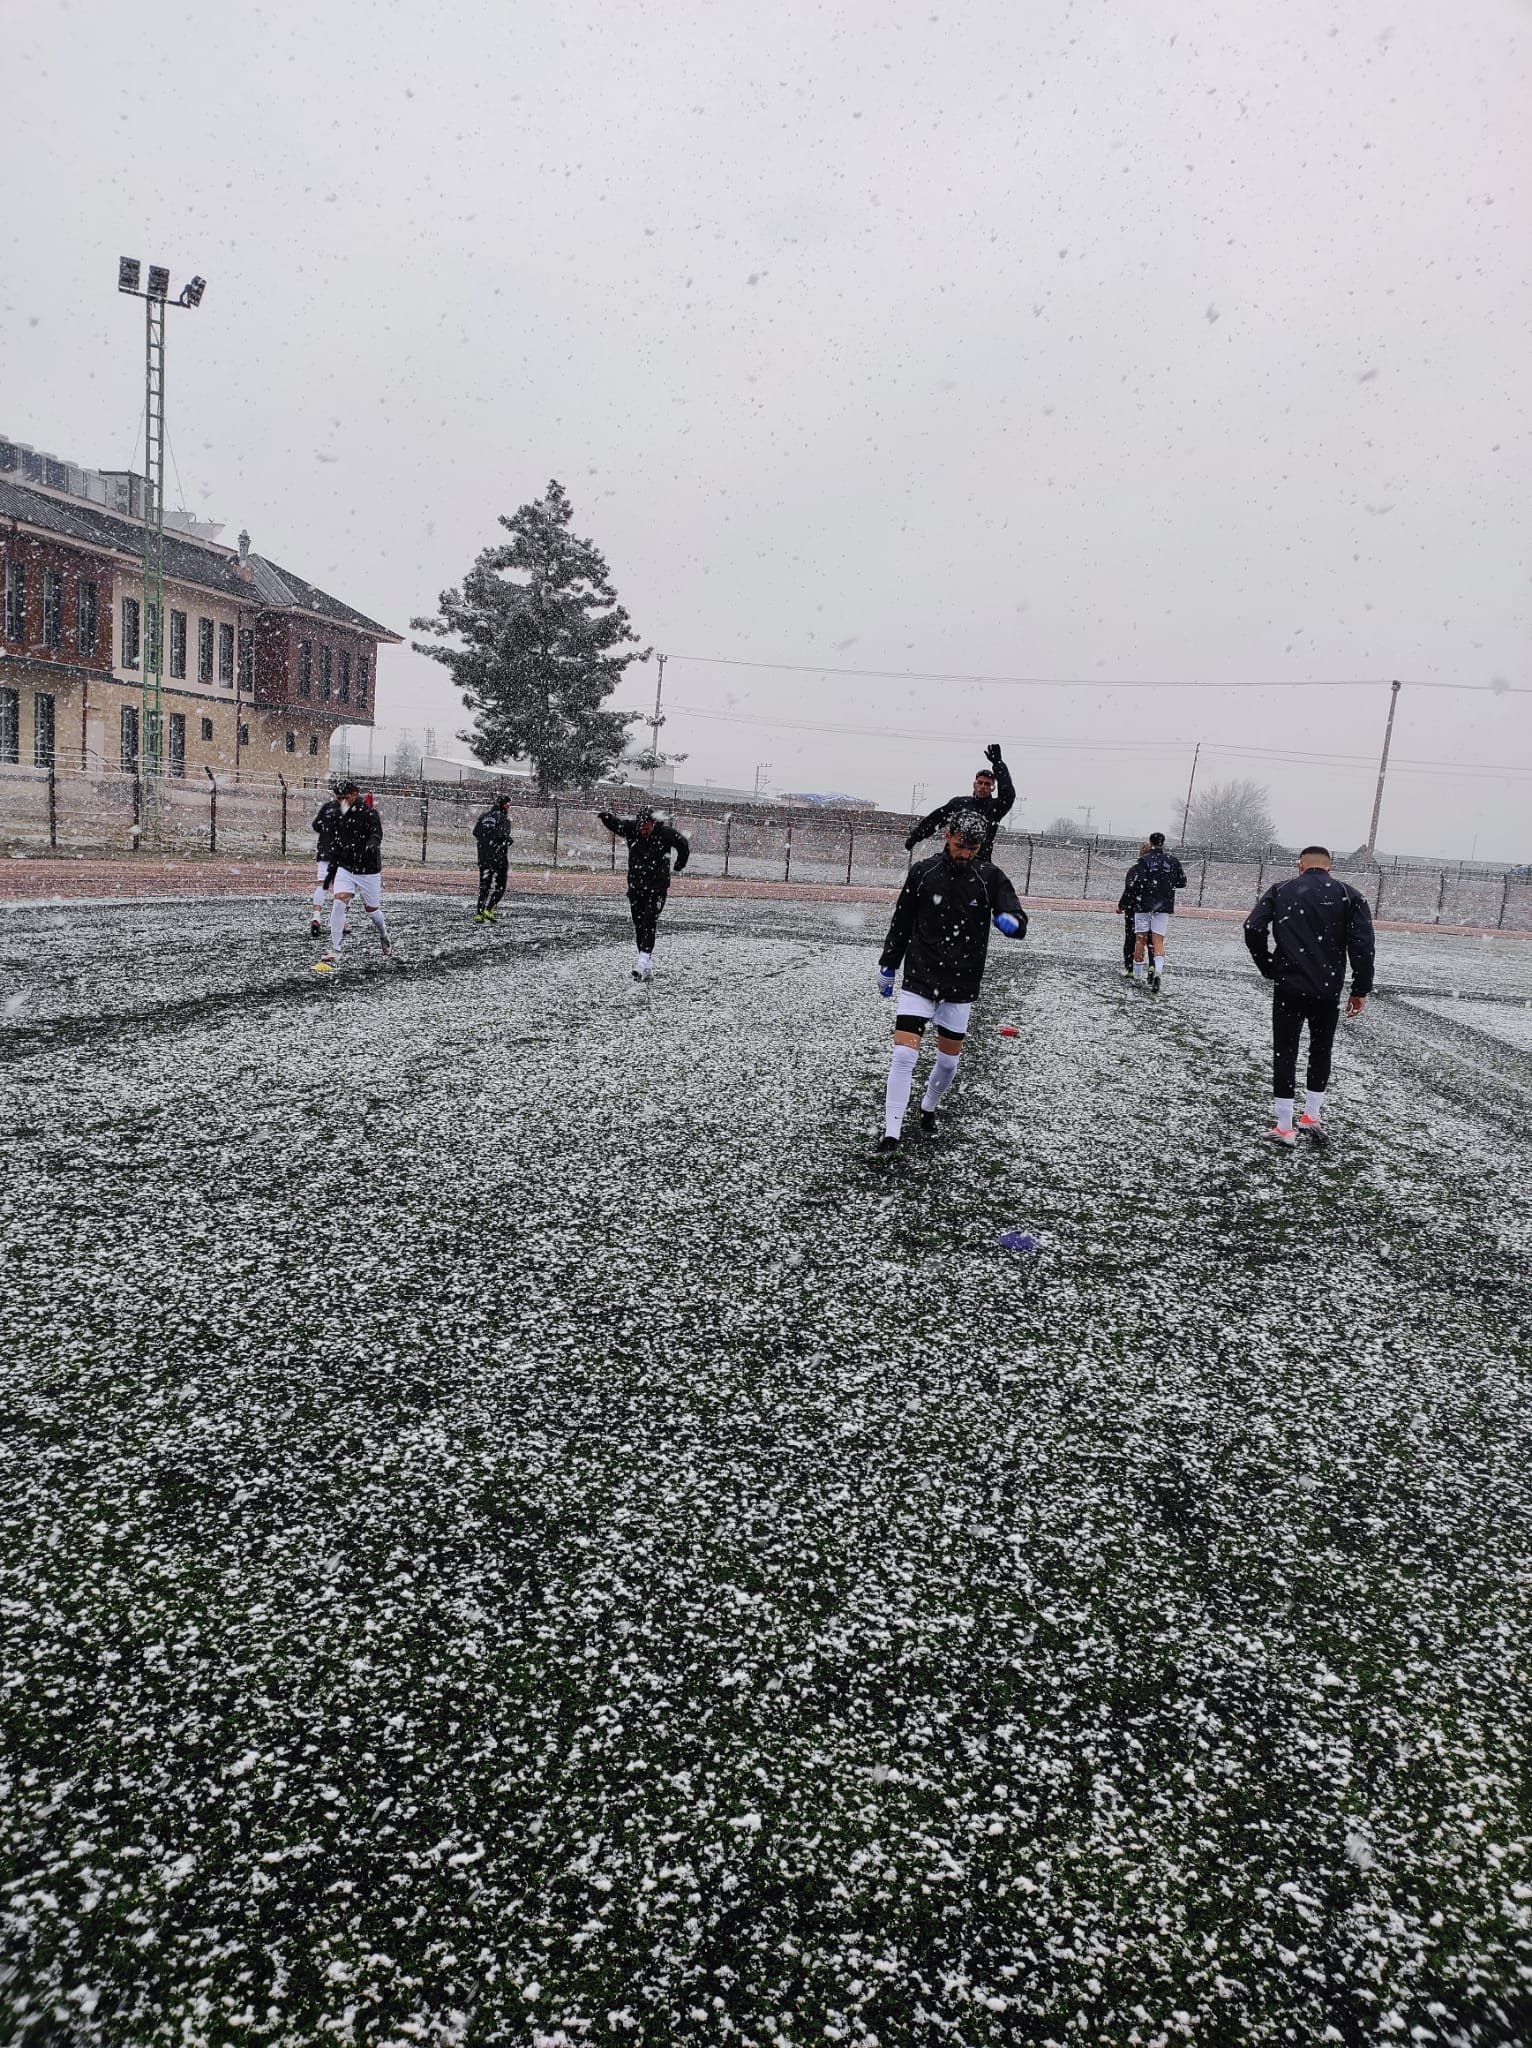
(908,675)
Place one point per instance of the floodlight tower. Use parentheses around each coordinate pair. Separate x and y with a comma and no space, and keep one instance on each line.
(155,295)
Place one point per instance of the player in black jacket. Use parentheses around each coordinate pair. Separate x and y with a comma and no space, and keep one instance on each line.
(1153,881)
(325,820)
(940,931)
(988,802)
(358,872)
(650,845)
(1125,905)
(1301,935)
(492,836)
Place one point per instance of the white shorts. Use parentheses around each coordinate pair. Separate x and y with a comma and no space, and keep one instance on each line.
(950,1017)
(321,871)
(1152,921)
(368,887)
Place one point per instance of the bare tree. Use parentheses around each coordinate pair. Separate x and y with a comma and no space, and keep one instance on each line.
(1064,828)
(1231,817)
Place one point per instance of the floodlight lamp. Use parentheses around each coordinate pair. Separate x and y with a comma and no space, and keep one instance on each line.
(159,281)
(191,294)
(128,269)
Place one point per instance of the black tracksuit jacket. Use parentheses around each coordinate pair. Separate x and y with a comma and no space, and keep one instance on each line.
(359,840)
(492,831)
(326,819)
(940,927)
(1316,923)
(992,808)
(649,854)
(1153,881)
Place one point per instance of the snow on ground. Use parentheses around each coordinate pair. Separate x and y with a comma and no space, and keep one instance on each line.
(515,1531)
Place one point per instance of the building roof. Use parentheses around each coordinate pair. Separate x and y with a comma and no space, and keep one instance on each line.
(186,560)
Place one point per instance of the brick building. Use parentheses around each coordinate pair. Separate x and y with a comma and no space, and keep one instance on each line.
(260,666)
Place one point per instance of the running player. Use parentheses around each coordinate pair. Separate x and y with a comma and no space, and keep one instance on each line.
(1125,905)
(492,835)
(993,795)
(326,818)
(358,872)
(1318,923)
(940,931)
(650,844)
(1153,881)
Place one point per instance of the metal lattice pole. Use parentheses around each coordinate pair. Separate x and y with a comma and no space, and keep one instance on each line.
(152,739)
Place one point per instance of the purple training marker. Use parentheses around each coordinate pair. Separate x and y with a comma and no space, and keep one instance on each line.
(1018,1241)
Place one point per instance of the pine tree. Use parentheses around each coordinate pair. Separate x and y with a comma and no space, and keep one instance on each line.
(537,658)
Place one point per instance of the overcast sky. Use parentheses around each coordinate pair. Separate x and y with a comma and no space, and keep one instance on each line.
(1111,342)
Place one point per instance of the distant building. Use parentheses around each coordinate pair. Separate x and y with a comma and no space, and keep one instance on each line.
(260,666)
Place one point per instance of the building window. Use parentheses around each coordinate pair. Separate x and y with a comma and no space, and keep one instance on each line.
(178,742)
(10,726)
(130,647)
(345,677)
(177,646)
(207,728)
(226,654)
(313,743)
(15,601)
(153,622)
(326,659)
(152,742)
(129,754)
(247,661)
(53,609)
(87,626)
(204,650)
(305,669)
(361,680)
(292,743)
(244,735)
(42,730)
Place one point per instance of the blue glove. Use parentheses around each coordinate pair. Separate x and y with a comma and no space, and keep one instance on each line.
(885,981)
(1004,922)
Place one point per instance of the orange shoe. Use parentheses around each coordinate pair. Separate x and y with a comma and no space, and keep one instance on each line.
(1277,1136)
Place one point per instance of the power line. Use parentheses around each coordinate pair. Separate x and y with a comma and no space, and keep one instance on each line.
(910,675)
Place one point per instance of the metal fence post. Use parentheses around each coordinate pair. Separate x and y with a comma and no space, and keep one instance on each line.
(556,832)
(1260,877)
(138,812)
(728,838)
(1441,896)
(283,780)
(53,807)
(850,851)
(1026,886)
(614,855)
(1378,905)
(1202,881)
(425,822)
(212,809)
(787,867)
(1505,897)
(1085,889)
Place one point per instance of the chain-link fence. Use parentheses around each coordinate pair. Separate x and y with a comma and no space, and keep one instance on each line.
(70,811)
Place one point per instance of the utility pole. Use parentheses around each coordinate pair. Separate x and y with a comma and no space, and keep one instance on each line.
(155,295)
(1190,786)
(657,721)
(761,768)
(917,792)
(1388,735)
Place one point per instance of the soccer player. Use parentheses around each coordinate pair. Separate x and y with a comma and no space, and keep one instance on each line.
(1152,883)
(993,795)
(358,872)
(326,819)
(1125,905)
(650,845)
(940,931)
(1301,935)
(492,835)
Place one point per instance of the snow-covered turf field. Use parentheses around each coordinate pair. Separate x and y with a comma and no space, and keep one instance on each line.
(515,1531)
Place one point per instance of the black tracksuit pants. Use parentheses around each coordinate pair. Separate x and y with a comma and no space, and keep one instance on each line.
(1128,936)
(493,873)
(1291,1009)
(646,908)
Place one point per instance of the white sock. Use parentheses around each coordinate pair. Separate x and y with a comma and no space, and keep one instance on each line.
(943,1074)
(1140,970)
(318,897)
(1159,965)
(896,1097)
(337,925)
(1284,1112)
(379,924)
(1314,1103)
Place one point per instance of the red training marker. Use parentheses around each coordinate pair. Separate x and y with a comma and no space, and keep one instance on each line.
(1009,1031)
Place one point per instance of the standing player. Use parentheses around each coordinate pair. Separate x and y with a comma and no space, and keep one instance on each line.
(492,835)
(1125,905)
(987,802)
(358,872)
(1153,881)
(326,818)
(649,846)
(940,931)
(1318,923)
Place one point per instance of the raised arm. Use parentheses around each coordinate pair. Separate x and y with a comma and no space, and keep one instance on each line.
(931,822)
(618,826)
(1005,789)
